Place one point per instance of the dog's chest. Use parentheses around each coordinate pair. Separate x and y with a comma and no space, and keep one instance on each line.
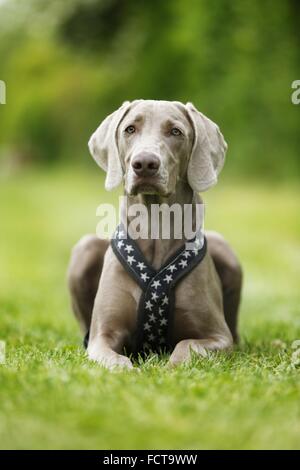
(156,307)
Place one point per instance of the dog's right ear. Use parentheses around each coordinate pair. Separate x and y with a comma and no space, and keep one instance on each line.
(208,153)
(104,149)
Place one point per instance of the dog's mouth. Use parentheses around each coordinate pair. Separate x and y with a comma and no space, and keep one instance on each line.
(147,186)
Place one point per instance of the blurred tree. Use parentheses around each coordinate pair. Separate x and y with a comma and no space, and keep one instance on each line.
(68,64)
(94,26)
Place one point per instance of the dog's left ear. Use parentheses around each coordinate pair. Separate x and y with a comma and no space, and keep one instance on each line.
(104,149)
(208,152)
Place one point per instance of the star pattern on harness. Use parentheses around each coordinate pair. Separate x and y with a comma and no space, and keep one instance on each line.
(120,243)
(156,284)
(154,296)
(172,268)
(183,263)
(131,259)
(168,278)
(152,317)
(144,276)
(156,302)
(141,266)
(198,243)
(149,305)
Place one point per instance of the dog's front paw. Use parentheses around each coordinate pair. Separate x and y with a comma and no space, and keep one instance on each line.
(183,351)
(119,363)
(111,361)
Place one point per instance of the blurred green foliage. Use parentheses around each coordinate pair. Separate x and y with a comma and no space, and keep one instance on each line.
(68,64)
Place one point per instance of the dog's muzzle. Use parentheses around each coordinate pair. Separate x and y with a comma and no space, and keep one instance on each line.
(145,164)
(145,168)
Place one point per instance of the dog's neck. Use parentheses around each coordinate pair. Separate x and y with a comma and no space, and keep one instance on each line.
(158,250)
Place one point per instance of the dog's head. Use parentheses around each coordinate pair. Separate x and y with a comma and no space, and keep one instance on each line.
(153,144)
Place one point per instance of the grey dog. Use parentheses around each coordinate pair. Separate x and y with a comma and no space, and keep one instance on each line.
(162,152)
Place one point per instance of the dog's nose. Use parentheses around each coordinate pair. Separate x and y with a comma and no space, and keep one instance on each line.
(145,164)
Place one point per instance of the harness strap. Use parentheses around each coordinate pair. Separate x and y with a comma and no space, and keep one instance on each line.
(156,306)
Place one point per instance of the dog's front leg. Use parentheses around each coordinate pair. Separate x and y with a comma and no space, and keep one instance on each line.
(183,350)
(113,318)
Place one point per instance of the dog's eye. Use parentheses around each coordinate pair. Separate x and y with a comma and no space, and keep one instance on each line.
(175,131)
(130,130)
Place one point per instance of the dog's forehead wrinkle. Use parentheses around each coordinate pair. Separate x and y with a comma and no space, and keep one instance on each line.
(172,121)
(154,112)
(138,118)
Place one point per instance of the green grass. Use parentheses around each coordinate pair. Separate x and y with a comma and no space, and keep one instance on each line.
(51,396)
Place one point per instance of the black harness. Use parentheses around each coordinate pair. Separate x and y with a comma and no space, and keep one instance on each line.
(156,306)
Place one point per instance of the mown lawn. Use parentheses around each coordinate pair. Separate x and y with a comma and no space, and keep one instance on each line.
(52,397)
